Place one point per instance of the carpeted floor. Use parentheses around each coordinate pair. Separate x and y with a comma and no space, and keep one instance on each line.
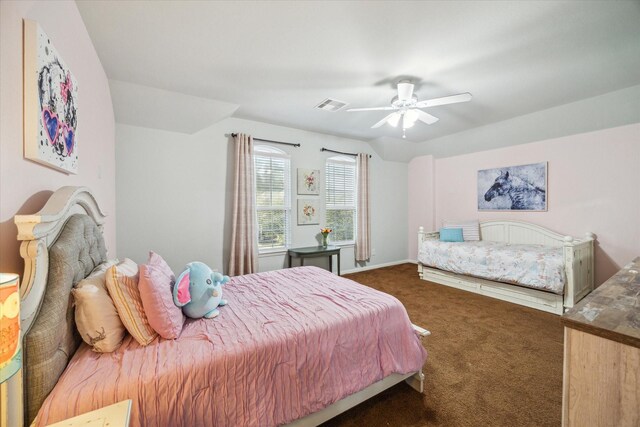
(491,363)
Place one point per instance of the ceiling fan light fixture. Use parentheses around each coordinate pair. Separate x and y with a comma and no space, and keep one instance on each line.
(406,107)
(409,118)
(394,119)
(406,124)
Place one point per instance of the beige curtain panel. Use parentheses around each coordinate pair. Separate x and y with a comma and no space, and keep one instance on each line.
(363,231)
(244,252)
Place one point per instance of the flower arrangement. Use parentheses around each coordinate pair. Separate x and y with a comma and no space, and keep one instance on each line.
(310,181)
(325,233)
(308,211)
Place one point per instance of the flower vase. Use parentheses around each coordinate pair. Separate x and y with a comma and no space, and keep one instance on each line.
(324,240)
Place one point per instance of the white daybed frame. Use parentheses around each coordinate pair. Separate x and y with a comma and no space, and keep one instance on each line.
(39,231)
(578,259)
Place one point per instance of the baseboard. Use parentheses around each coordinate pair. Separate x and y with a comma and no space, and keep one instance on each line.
(373,267)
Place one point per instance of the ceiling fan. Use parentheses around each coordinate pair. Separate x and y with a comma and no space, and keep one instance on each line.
(406,107)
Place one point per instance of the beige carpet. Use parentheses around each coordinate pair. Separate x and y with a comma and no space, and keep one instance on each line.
(491,363)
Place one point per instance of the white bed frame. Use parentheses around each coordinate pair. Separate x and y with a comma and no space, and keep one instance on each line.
(39,231)
(578,259)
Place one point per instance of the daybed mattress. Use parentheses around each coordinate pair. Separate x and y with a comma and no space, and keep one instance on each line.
(289,343)
(535,266)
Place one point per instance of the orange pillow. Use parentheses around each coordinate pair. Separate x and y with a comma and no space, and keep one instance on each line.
(123,288)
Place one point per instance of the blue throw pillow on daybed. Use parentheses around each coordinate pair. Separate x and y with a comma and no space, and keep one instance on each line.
(451,235)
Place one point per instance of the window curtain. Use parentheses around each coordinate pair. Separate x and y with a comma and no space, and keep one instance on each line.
(244,251)
(363,230)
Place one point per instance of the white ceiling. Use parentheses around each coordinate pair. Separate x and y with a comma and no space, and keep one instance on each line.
(277,60)
(149,107)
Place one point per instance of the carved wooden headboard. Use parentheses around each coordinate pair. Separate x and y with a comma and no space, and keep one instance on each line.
(61,244)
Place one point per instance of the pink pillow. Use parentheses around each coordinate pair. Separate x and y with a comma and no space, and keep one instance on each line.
(156,285)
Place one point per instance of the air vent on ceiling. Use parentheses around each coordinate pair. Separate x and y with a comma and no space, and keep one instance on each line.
(331,105)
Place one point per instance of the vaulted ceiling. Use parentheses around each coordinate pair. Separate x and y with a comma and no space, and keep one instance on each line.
(277,60)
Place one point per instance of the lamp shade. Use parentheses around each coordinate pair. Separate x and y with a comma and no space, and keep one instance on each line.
(394,119)
(410,118)
(10,354)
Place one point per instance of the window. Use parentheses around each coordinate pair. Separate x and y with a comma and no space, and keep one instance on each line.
(340,188)
(273,202)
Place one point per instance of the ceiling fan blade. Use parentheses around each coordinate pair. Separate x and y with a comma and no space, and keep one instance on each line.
(383,121)
(405,91)
(453,99)
(389,108)
(426,117)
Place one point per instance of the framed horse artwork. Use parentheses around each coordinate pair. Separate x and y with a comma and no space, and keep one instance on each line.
(513,188)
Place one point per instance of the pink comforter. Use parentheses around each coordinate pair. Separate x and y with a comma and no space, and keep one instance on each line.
(289,343)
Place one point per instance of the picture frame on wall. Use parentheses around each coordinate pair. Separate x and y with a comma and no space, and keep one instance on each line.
(308,212)
(50,103)
(308,181)
(513,188)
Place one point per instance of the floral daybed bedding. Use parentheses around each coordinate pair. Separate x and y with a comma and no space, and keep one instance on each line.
(535,266)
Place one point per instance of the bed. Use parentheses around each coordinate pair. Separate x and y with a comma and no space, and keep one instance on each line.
(514,261)
(295,346)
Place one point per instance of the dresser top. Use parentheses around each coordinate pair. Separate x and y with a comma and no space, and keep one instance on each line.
(611,311)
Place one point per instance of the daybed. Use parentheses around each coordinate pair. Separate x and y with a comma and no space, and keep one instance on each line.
(297,344)
(566,264)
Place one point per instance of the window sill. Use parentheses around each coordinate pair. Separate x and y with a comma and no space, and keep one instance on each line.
(343,244)
(273,252)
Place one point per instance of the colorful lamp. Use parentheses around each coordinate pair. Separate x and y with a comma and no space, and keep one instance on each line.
(10,351)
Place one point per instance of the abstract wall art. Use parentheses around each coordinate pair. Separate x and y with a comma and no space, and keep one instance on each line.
(513,188)
(50,103)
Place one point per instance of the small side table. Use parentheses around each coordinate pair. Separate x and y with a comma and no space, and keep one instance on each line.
(116,415)
(315,251)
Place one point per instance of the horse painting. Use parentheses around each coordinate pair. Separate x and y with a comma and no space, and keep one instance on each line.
(514,188)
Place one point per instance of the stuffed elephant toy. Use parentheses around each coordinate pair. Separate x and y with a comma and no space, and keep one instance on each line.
(198,291)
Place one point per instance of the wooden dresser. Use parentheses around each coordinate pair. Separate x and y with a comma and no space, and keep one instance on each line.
(601,384)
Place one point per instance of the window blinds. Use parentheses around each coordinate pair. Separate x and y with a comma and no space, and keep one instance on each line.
(340,179)
(270,181)
(341,185)
(272,200)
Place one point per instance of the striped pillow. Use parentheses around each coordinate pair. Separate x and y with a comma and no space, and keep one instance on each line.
(122,283)
(470,229)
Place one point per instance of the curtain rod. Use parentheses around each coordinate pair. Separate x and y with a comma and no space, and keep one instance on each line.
(340,152)
(268,140)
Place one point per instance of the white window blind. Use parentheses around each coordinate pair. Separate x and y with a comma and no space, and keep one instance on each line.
(340,173)
(273,202)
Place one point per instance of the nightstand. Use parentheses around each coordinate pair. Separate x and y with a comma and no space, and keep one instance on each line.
(116,415)
(601,384)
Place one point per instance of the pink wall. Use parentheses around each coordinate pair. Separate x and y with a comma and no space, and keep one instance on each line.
(593,185)
(24,185)
(421,198)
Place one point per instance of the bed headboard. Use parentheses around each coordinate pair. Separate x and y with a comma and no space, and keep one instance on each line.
(518,232)
(61,244)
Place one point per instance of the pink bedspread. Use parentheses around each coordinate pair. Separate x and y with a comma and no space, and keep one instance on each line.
(289,343)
